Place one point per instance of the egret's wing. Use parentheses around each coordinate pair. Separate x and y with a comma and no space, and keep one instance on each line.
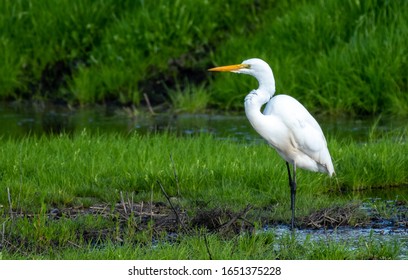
(302,129)
(307,133)
(310,140)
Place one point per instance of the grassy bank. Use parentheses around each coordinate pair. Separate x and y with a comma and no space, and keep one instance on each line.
(335,56)
(70,171)
(48,182)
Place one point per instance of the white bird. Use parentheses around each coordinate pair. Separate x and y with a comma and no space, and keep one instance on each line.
(285,124)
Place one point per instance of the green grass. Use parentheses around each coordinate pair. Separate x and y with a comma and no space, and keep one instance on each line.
(62,170)
(337,57)
(246,247)
(38,174)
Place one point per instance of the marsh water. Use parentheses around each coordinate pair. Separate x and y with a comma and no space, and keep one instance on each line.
(18,121)
(21,120)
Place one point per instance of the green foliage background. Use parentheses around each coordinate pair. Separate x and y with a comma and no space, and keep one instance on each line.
(336,57)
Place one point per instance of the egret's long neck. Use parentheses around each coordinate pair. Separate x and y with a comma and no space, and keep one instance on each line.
(256,98)
(267,83)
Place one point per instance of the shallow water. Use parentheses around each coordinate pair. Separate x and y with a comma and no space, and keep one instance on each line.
(18,121)
(350,236)
(388,223)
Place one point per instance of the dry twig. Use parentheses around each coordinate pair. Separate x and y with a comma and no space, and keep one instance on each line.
(179,221)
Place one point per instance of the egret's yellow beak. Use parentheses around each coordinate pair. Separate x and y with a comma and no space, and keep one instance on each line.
(229,68)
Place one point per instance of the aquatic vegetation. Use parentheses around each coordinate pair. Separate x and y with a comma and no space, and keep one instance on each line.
(191,99)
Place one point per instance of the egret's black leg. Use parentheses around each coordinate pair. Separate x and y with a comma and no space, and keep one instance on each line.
(292,185)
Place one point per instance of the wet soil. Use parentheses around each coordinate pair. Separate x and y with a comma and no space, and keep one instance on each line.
(164,219)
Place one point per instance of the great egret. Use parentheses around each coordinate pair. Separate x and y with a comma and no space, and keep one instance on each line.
(285,124)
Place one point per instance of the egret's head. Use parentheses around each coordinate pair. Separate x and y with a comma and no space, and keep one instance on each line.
(255,67)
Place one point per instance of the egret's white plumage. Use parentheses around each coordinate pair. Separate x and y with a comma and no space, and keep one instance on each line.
(285,124)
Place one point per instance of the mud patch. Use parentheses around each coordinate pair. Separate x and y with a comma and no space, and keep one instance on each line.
(138,223)
(334,217)
(223,220)
(145,222)
(145,214)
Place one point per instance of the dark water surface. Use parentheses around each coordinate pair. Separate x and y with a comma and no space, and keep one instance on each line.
(18,121)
